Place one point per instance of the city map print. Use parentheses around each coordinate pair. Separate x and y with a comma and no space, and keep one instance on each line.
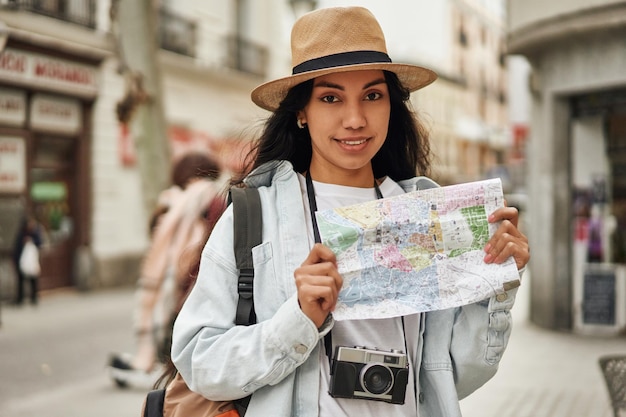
(417,252)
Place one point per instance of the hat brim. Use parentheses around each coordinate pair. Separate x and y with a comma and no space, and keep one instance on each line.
(270,94)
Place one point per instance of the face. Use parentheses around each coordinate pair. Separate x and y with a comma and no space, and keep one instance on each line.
(347,117)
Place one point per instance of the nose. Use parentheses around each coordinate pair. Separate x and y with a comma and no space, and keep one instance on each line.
(354,117)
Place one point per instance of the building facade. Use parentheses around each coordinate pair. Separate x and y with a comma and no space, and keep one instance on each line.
(576,160)
(66,156)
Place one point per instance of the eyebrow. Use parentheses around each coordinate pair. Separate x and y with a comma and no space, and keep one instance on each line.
(339,87)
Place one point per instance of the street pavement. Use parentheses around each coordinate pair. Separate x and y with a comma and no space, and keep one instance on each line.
(545,373)
(53,356)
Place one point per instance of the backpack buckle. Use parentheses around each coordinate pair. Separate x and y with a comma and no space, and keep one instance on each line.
(245,285)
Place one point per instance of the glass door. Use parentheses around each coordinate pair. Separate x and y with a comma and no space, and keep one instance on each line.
(53,193)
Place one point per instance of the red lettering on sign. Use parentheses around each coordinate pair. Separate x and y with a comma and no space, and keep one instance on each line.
(8,147)
(55,109)
(12,62)
(61,72)
(7,177)
(10,104)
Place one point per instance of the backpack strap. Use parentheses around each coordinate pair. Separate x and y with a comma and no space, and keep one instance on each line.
(248,224)
(247,234)
(153,404)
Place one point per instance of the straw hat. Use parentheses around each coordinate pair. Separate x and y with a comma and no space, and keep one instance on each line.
(335,40)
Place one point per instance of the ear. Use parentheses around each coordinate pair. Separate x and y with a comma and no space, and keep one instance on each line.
(300,115)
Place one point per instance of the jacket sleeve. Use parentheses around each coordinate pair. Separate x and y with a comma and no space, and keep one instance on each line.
(223,361)
(462,349)
(480,335)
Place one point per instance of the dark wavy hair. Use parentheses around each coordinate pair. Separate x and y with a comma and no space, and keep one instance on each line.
(405,153)
(194,165)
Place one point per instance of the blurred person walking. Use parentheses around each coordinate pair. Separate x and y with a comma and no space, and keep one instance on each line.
(26,248)
(178,225)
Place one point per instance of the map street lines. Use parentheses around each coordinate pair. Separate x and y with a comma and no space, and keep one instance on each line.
(416,252)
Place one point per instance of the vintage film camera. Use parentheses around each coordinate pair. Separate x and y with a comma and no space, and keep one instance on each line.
(370,374)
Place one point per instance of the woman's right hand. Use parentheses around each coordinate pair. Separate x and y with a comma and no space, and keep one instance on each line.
(318,283)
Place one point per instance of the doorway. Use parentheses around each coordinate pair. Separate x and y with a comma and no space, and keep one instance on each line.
(53,195)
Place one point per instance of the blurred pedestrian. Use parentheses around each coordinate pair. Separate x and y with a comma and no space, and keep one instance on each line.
(26,248)
(187,209)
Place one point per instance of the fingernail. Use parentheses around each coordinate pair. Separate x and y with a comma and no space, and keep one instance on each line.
(491,218)
(488,258)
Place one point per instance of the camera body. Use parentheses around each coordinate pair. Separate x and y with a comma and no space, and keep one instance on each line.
(371,374)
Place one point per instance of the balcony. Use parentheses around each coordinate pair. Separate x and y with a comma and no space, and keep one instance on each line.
(246,56)
(177,33)
(80,12)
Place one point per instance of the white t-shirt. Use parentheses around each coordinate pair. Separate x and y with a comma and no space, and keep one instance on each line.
(384,334)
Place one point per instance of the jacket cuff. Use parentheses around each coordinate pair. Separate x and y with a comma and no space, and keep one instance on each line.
(293,332)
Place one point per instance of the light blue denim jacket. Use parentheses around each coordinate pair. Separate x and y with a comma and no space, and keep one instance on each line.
(277,359)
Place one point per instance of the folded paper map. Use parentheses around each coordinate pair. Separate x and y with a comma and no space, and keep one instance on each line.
(417,252)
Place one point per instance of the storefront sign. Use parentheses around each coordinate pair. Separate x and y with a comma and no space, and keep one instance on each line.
(37,70)
(56,114)
(599,297)
(12,107)
(12,164)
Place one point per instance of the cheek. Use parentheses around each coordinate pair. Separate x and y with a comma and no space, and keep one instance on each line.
(320,128)
(382,127)
(316,135)
(379,117)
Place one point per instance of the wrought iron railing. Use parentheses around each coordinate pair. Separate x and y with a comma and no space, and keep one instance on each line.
(177,33)
(246,56)
(81,12)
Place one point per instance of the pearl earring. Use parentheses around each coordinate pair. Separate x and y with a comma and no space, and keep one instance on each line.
(300,124)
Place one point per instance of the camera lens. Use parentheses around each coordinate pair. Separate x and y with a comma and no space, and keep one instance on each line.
(376,379)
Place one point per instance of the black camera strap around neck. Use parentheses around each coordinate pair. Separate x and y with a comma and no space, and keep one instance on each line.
(310,191)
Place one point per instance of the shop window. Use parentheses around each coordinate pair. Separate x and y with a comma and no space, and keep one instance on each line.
(50,200)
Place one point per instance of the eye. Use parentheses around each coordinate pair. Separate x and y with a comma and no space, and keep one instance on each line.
(373,96)
(329,99)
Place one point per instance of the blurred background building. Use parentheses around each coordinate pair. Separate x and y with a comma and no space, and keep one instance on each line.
(70,154)
(64,152)
(576,160)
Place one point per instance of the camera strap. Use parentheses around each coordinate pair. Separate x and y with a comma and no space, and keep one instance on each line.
(310,191)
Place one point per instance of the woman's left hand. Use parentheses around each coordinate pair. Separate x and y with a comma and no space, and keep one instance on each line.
(507,240)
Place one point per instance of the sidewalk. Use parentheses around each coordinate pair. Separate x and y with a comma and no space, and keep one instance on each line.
(542,374)
(545,373)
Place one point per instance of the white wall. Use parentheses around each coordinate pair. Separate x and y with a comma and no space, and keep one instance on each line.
(118,221)
(524,12)
(518,93)
(588,151)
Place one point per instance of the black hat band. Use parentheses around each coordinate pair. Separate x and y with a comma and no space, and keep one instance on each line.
(342,59)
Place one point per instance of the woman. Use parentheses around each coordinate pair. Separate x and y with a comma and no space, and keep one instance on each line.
(189,207)
(341,132)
